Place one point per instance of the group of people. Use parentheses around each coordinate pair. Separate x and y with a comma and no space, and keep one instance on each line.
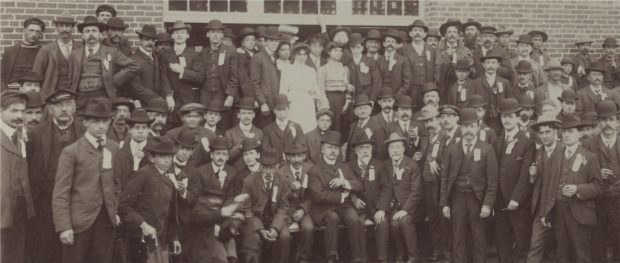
(245,149)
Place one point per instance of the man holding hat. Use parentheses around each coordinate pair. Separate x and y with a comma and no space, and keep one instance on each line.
(469,188)
(97,70)
(382,121)
(539,54)
(16,191)
(281,133)
(396,68)
(119,130)
(148,206)
(246,110)
(524,85)
(19,58)
(247,49)
(324,119)
(606,148)
(331,185)
(525,47)
(596,90)
(610,60)
(266,212)
(569,191)
(52,61)
(157,110)
(264,75)
(364,72)
(422,60)
(34,111)
(515,154)
(460,91)
(85,190)
(131,157)
(45,143)
(488,49)
(115,35)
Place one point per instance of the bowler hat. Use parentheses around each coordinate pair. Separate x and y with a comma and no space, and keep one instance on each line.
(450,22)
(395,137)
(157,104)
(229,33)
(116,22)
(34,100)
(403,35)
(554,64)
(31,76)
(163,38)
(272,33)
(503,31)
(462,65)
(418,23)
(215,105)
(429,86)
(139,116)
(148,31)
(339,29)
(355,39)
(91,21)
(491,55)
(9,97)
(246,32)
(433,33)
(98,108)
(123,101)
(250,144)
(35,20)
(360,137)
(332,137)
(404,102)
(487,30)
(160,145)
(361,100)
(583,41)
(596,66)
(214,24)
(186,138)
(589,119)
(385,92)
(65,18)
(192,106)
(296,148)
(468,115)
(393,33)
(105,8)
(178,25)
(281,101)
(428,112)
(269,157)
(568,95)
(524,66)
(509,105)
(544,35)
(526,102)
(471,22)
(476,101)
(247,103)
(527,39)
(546,121)
(606,108)
(260,30)
(610,42)
(60,95)
(373,34)
(572,121)
(449,109)
(220,143)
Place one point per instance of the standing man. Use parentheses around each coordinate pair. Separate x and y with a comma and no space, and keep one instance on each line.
(583,59)
(16,192)
(115,32)
(119,130)
(52,61)
(85,196)
(45,143)
(553,88)
(539,54)
(382,122)
(525,47)
(503,40)
(364,71)
(468,189)
(488,38)
(264,76)
(282,133)
(19,58)
(449,54)
(406,126)
(132,156)
(34,111)
(524,86)
(97,70)
(246,112)
(515,154)
(610,60)
(460,91)
(396,68)
(246,50)
(596,91)
(422,60)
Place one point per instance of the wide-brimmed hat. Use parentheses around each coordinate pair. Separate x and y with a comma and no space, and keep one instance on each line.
(117,23)
(404,102)
(546,121)
(606,108)
(572,121)
(281,101)
(385,92)
(393,33)
(98,108)
(65,18)
(448,109)
(148,31)
(610,42)
(471,22)
(34,100)
(450,22)
(334,31)
(214,24)
(468,115)
(544,35)
(373,34)
(395,137)
(30,76)
(568,60)
(527,39)
(246,32)
(91,21)
(139,116)
(105,8)
(596,66)
(220,143)
(355,39)
(160,145)
(332,137)
(157,104)
(250,144)
(247,103)
(418,23)
(59,95)
(568,95)
(524,66)
(361,100)
(272,33)
(178,25)
(501,30)
(553,64)
(476,101)
(428,112)
(360,137)
(509,106)
(295,148)
(269,157)
(215,105)
(186,138)
(123,101)
(163,37)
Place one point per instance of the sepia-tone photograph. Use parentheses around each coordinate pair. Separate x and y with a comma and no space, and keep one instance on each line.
(309,131)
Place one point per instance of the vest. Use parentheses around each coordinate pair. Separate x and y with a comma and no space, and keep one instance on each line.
(566,170)
(462,180)
(212,78)
(419,68)
(60,140)
(92,74)
(63,72)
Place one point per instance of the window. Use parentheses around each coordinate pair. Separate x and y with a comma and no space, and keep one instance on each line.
(208,6)
(386,7)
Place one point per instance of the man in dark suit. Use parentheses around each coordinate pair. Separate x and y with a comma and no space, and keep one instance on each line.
(114,35)
(468,189)
(295,172)
(363,109)
(281,133)
(568,194)
(212,116)
(52,61)
(515,153)
(119,130)
(19,58)
(459,92)
(407,127)
(44,146)
(85,195)
(97,70)
(246,113)
(450,52)
(131,156)
(266,212)
(16,193)
(595,91)
(217,174)
(313,139)
(448,119)
(606,149)
(148,206)
(364,72)
(264,75)
(421,58)
(246,38)
(331,184)
(192,116)
(382,122)
(396,68)
(488,37)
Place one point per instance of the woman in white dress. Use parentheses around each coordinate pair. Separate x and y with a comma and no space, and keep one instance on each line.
(299,83)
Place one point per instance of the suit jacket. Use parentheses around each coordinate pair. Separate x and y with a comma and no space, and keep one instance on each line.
(483,175)
(313,142)
(297,199)
(201,152)
(209,179)
(445,65)
(227,71)
(381,133)
(432,152)
(245,83)
(493,95)
(514,160)
(587,100)
(121,68)
(376,185)
(153,77)
(8,61)
(505,68)
(265,78)
(152,198)
(193,192)
(396,74)
(186,87)
(325,199)
(14,167)
(406,193)
(277,140)
(543,173)
(537,95)
(78,195)
(455,98)
(123,164)
(586,178)
(430,64)
(373,127)
(411,146)
(598,147)
(236,136)
(369,80)
(260,197)
(46,65)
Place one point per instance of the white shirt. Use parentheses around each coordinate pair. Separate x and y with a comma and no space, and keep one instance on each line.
(491,78)
(282,124)
(403,125)
(316,61)
(210,128)
(362,123)
(218,170)
(66,48)
(178,49)
(510,135)
(62,127)
(389,56)
(388,117)
(154,133)
(609,143)
(357,59)
(177,162)
(136,146)
(93,140)
(555,92)
(572,149)
(419,48)
(95,49)
(254,168)
(8,130)
(485,51)
(329,162)
(148,54)
(295,171)
(549,150)
(246,129)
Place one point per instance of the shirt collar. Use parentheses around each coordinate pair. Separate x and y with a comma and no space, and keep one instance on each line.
(254,168)
(490,77)
(512,134)
(282,124)
(136,146)
(64,127)
(596,89)
(551,148)
(176,161)
(62,44)
(397,163)
(153,133)
(389,54)
(572,148)
(245,127)
(473,144)
(417,46)
(95,48)
(455,45)
(210,128)
(8,130)
(180,47)
(90,138)
(216,168)
(149,54)
(159,170)
(296,170)
(607,142)
(329,162)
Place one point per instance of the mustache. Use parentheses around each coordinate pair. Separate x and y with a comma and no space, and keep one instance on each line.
(33,122)
(488,42)
(388,108)
(469,133)
(91,38)
(18,121)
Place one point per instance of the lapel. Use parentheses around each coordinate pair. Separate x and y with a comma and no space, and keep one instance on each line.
(79,58)
(8,144)
(84,143)
(145,57)
(163,177)
(46,135)
(601,146)
(458,158)
(103,52)
(591,94)
(268,58)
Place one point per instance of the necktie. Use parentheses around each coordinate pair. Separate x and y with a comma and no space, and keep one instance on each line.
(90,52)
(99,143)
(569,154)
(268,184)
(67,51)
(14,138)
(598,94)
(468,146)
(297,176)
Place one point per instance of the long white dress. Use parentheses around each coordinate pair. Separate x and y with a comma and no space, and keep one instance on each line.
(299,83)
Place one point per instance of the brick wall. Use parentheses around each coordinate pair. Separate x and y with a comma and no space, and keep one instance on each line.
(135,13)
(564,20)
